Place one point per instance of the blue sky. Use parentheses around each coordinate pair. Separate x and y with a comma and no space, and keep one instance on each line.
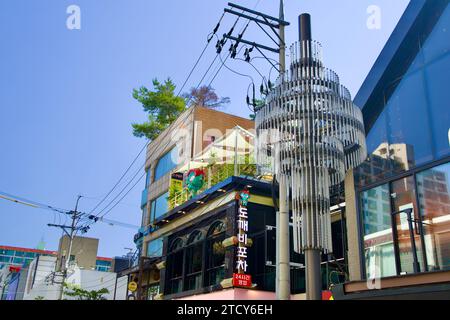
(65,95)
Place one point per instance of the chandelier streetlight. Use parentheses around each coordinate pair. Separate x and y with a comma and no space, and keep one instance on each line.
(309,133)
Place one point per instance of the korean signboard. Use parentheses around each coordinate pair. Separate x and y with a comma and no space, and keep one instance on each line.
(240,278)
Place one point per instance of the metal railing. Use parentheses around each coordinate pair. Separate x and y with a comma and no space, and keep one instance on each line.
(214,175)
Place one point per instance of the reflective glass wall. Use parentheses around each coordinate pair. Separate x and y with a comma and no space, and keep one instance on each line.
(414,127)
(407,222)
(403,188)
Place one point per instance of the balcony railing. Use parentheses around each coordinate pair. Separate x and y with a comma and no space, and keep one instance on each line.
(214,174)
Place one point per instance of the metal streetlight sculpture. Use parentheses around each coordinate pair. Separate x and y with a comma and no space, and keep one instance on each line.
(309,133)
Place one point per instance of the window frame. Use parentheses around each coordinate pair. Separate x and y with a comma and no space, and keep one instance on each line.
(358,192)
(192,245)
(155,176)
(209,240)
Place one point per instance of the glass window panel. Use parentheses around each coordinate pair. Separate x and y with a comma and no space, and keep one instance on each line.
(378,134)
(438,78)
(378,239)
(9,252)
(175,270)
(408,121)
(18,260)
(148,177)
(154,248)
(195,237)
(404,197)
(166,163)
(177,244)
(216,252)
(145,220)
(194,259)
(5,259)
(160,206)
(217,228)
(438,42)
(433,188)
(379,164)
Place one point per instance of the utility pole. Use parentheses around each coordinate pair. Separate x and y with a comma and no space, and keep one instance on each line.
(71,234)
(283,287)
(283,269)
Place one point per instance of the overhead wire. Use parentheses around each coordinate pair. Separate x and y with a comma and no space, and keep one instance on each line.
(209,38)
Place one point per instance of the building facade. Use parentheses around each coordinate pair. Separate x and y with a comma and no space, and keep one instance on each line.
(398,201)
(84,253)
(16,256)
(191,247)
(193,131)
(200,250)
(174,148)
(390,218)
(24,269)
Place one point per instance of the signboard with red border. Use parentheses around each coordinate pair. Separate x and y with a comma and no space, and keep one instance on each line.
(242,280)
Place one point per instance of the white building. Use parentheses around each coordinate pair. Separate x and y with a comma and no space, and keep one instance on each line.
(44,283)
(96,280)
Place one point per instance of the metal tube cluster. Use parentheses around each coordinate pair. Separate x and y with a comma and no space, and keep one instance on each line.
(310,131)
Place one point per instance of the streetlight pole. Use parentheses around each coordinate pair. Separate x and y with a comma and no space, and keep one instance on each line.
(283,270)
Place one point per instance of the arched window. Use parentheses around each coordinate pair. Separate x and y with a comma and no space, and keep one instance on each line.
(177,244)
(195,236)
(175,268)
(215,258)
(217,228)
(194,260)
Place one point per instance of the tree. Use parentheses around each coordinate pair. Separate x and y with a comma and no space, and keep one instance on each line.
(82,294)
(205,96)
(162,105)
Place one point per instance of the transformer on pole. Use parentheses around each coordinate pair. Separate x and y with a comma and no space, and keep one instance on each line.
(309,133)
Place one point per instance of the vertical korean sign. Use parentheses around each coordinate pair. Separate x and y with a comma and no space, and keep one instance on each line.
(241,279)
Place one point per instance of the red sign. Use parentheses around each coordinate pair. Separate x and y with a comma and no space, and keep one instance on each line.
(242,280)
(327,295)
(14,269)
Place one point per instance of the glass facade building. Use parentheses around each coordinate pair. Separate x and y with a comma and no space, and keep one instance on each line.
(403,190)
(103,264)
(14,256)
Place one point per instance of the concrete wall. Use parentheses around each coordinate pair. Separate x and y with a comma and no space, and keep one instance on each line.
(84,249)
(352,221)
(36,286)
(210,122)
(95,280)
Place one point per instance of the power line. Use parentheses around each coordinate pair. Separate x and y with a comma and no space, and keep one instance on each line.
(121,178)
(210,36)
(188,77)
(222,43)
(39,205)
(132,187)
(122,190)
